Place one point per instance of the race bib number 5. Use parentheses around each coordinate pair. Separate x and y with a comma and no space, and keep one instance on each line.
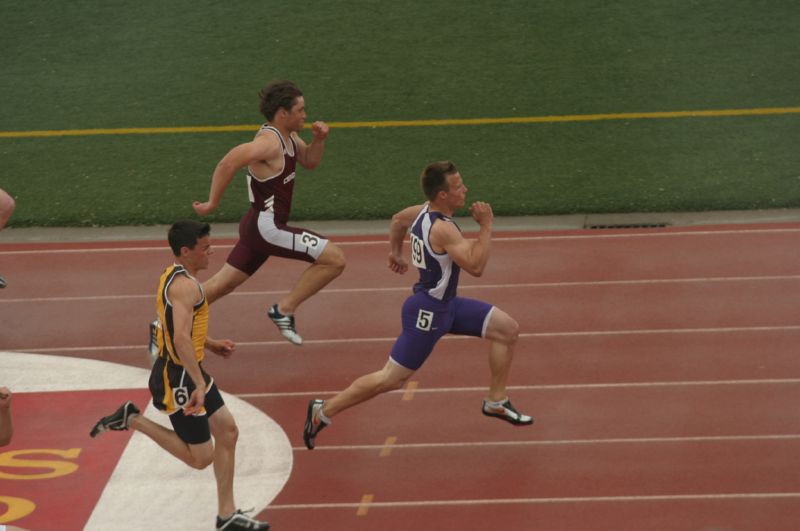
(424,320)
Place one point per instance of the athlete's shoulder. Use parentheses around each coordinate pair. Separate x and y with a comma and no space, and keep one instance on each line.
(183,282)
(444,231)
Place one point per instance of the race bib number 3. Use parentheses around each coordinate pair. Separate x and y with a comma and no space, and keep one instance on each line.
(309,240)
(417,252)
(424,320)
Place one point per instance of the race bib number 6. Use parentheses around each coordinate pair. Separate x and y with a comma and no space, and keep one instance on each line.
(181,396)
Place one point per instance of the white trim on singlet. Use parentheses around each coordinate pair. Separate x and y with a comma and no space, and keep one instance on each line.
(168,283)
(443,259)
(284,151)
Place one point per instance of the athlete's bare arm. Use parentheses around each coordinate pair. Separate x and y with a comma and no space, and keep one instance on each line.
(398,228)
(470,255)
(184,293)
(309,156)
(220,347)
(264,151)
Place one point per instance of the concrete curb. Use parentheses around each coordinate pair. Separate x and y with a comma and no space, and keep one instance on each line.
(349,227)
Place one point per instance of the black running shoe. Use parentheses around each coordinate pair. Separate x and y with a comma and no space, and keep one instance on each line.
(285,324)
(240,521)
(116,421)
(506,412)
(313,423)
(2,283)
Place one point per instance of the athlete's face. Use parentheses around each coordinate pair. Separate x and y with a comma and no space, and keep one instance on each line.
(296,117)
(198,256)
(457,191)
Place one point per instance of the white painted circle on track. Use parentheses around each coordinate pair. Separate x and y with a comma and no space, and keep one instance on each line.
(150,489)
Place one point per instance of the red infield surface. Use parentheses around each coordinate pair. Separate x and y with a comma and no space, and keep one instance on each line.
(660,365)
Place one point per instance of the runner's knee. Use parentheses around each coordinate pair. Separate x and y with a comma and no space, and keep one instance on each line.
(391,381)
(200,461)
(227,435)
(513,331)
(333,257)
(504,328)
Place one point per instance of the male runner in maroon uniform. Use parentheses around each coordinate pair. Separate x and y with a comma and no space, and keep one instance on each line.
(270,159)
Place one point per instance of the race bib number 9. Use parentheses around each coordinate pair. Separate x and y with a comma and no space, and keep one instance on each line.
(417,252)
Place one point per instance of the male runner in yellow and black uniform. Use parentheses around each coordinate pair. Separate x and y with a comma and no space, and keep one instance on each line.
(178,383)
(172,381)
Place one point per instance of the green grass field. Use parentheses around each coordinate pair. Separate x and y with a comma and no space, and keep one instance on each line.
(79,65)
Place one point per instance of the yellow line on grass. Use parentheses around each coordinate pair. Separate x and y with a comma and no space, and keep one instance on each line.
(765,111)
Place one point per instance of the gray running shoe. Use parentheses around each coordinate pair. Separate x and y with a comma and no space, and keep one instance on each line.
(116,421)
(285,324)
(152,348)
(240,521)
(313,423)
(506,412)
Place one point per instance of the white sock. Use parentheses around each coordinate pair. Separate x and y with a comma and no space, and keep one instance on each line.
(496,404)
(322,416)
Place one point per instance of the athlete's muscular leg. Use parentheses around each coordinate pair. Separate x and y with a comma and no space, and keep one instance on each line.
(224,281)
(503,332)
(226,433)
(196,456)
(7,205)
(391,377)
(328,266)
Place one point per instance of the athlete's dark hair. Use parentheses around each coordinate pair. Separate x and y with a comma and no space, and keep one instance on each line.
(185,233)
(434,178)
(277,95)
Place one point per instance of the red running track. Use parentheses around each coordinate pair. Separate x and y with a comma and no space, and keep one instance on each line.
(660,365)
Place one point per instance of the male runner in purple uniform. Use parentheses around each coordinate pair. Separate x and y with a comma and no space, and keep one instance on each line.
(270,159)
(439,251)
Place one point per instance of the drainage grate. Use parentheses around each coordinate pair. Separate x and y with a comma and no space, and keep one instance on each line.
(629,226)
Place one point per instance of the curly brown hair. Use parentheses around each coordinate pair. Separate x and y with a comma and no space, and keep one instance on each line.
(277,95)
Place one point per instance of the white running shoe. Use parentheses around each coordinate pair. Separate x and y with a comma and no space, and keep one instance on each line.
(506,412)
(285,324)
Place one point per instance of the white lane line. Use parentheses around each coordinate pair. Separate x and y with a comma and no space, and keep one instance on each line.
(563,442)
(542,501)
(520,285)
(525,335)
(588,235)
(552,387)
